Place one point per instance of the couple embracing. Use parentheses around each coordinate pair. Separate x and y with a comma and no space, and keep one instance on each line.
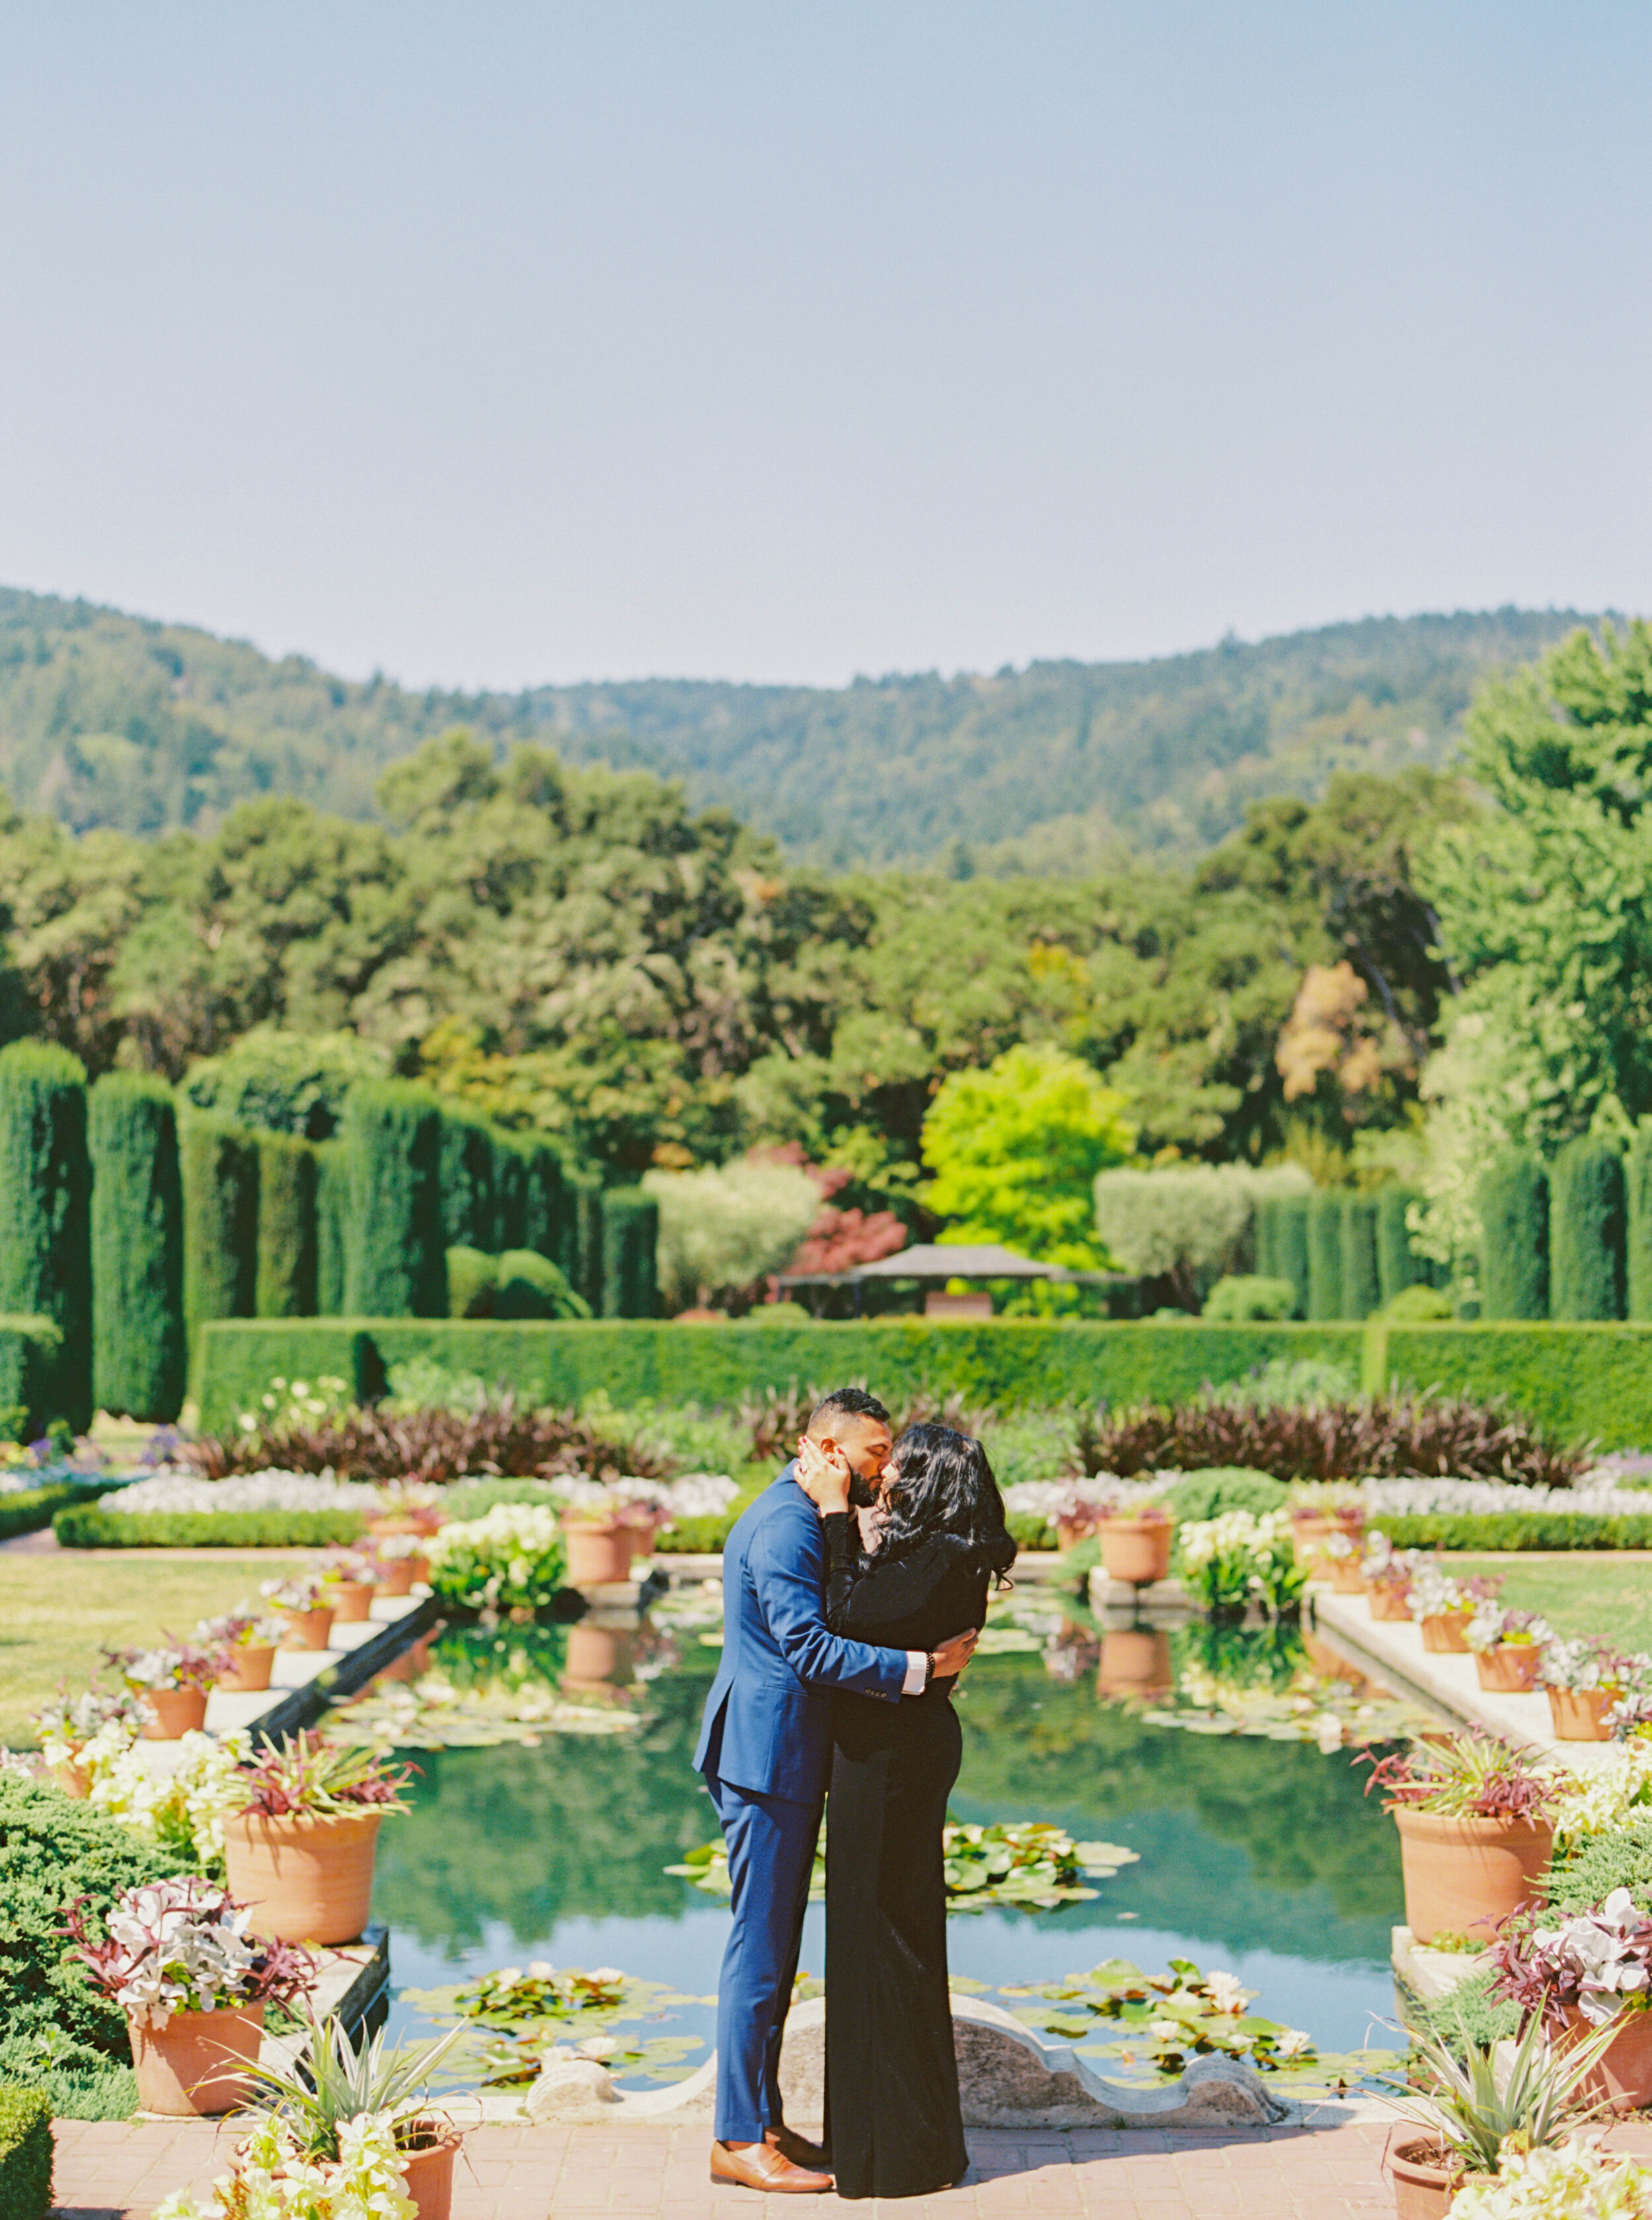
(854,1590)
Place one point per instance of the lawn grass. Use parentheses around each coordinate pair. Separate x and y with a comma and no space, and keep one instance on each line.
(58,1610)
(1594,1593)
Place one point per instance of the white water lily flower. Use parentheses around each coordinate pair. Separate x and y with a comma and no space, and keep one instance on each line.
(1292,2042)
(1228,1993)
(1165,2031)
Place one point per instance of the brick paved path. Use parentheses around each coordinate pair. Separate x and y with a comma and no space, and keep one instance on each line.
(117,2170)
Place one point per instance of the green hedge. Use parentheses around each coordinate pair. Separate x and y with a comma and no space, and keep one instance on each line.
(287,1280)
(25,2153)
(1290,1245)
(1007,1362)
(1325,1256)
(31,1508)
(1638,1230)
(221,1222)
(1361,1283)
(332,1225)
(1586,1232)
(139,1351)
(28,1373)
(544,1206)
(1585,1383)
(1399,1266)
(86,1527)
(46,1210)
(470,1204)
(395,1256)
(1514,1219)
(1519,1530)
(630,1223)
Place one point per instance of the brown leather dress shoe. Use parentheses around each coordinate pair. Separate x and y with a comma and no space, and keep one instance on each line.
(800,2151)
(760,2166)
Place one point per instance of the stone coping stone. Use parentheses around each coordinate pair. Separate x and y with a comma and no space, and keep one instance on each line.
(1393,1650)
(1008,2077)
(1429,1975)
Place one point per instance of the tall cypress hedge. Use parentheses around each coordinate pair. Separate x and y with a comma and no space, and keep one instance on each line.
(331,1224)
(510,1192)
(396,1252)
(1291,1245)
(630,1238)
(1265,1243)
(1637,1229)
(1586,1231)
(46,1209)
(1399,1266)
(1361,1283)
(140,1350)
(288,1234)
(220,1222)
(581,1260)
(545,1205)
(1326,1254)
(1514,1220)
(470,1207)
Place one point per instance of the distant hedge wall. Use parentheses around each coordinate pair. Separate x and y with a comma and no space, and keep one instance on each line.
(1007,1362)
(1586,1232)
(289,1253)
(1361,1284)
(139,1354)
(46,1210)
(84,1526)
(31,1508)
(1325,1256)
(1513,1201)
(1519,1530)
(1586,1382)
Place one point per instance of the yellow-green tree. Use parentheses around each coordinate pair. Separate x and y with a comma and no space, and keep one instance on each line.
(1014,1150)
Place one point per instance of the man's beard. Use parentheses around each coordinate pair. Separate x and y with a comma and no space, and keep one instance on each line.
(862,1492)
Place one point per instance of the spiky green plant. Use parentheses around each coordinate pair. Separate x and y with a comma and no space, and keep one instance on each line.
(333,2081)
(1474,2110)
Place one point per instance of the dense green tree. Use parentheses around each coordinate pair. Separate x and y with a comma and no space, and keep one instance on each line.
(139,1355)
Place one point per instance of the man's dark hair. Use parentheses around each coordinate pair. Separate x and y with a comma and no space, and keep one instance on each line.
(848,1403)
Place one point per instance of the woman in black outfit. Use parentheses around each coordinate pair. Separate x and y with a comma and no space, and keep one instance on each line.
(892,2080)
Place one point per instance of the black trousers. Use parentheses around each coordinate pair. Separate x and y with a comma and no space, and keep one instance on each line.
(892,2077)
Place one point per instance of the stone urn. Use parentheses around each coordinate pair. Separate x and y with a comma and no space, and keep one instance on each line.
(1312,1529)
(1463,1875)
(73,1778)
(171,1713)
(247,1668)
(1509,1668)
(599,1549)
(308,1878)
(195,2065)
(1579,1714)
(1135,1546)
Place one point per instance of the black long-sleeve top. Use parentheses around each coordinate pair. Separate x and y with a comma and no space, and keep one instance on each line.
(914,1601)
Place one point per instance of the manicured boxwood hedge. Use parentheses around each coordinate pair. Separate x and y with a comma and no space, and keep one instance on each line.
(1586,1381)
(28,1372)
(25,2153)
(84,1526)
(1520,1529)
(31,1508)
(1010,1362)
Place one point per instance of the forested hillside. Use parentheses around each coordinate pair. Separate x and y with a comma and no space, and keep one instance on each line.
(111,721)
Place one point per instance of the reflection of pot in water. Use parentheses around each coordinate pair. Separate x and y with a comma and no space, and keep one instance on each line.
(412,1664)
(1135,1661)
(1327,1661)
(599,1656)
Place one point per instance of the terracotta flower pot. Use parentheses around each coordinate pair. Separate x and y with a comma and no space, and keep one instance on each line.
(307,1630)
(1387,1601)
(1579,1714)
(1137,1550)
(1509,1668)
(1069,1532)
(413,1662)
(1344,1574)
(395,1575)
(1463,1876)
(196,2063)
(1445,1633)
(247,1673)
(598,1657)
(73,1779)
(1135,1661)
(308,1879)
(354,1603)
(1622,2079)
(1426,2177)
(430,2170)
(1312,1529)
(393,1522)
(599,1551)
(170,1712)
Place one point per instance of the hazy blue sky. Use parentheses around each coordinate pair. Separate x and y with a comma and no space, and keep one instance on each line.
(487,342)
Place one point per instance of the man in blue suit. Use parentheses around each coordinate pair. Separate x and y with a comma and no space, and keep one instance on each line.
(765,1751)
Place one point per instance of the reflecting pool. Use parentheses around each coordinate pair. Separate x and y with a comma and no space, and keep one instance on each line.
(1259,1856)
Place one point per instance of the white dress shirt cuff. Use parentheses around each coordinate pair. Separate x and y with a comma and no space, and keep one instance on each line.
(917,1678)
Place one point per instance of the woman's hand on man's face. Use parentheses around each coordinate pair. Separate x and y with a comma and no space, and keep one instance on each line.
(823,1475)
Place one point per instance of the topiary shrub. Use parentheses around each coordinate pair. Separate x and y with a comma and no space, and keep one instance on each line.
(630,1235)
(46,1209)
(1324,1255)
(469,1213)
(25,2153)
(1250,1295)
(395,1254)
(331,1224)
(544,1206)
(53,1850)
(1418,1304)
(1224,1487)
(473,1283)
(1267,1238)
(1362,1285)
(287,1283)
(1291,1247)
(1637,1229)
(510,1161)
(531,1286)
(140,1352)
(1586,1232)
(1514,1219)
(1399,1266)
(221,1222)
(582,1264)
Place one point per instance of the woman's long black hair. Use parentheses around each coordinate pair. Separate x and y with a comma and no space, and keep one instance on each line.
(944,1485)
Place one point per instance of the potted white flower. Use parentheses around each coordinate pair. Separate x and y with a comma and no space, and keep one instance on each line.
(170,1684)
(178,1958)
(1508,1647)
(1443,1607)
(248,1640)
(403,1562)
(1584,1971)
(68,1725)
(598,1533)
(1386,1574)
(304,1603)
(355,1576)
(1585,1678)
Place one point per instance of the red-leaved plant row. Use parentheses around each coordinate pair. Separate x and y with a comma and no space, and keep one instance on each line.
(505,1438)
(1374,1437)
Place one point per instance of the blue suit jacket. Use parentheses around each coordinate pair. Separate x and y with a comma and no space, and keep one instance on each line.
(768,1721)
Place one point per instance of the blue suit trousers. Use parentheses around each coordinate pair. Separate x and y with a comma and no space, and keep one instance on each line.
(771,1843)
